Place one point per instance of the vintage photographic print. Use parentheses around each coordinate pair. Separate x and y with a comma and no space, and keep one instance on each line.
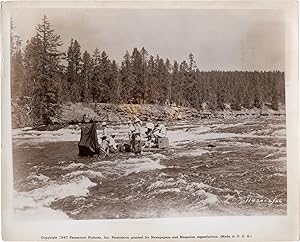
(138,113)
(164,116)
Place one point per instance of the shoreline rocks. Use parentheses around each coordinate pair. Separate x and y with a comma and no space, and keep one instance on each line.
(72,113)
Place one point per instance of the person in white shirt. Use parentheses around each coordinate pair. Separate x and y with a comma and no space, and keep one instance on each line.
(137,126)
(112,144)
(105,130)
(160,131)
(104,139)
(137,147)
(130,133)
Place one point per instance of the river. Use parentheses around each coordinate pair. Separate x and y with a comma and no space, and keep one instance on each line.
(214,167)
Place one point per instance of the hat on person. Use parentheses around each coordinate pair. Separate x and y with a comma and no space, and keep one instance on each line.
(150,125)
(104,124)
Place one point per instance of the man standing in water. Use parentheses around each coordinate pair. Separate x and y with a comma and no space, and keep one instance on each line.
(130,133)
(112,144)
(104,139)
(150,142)
(137,146)
(105,130)
(159,131)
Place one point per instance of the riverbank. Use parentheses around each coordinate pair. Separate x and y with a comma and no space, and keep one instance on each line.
(71,113)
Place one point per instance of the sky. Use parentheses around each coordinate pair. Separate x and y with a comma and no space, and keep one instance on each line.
(218,39)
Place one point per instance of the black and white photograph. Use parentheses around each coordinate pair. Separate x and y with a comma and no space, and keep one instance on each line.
(167,115)
(148,113)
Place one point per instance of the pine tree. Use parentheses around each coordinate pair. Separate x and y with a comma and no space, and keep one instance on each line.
(199,90)
(126,79)
(17,64)
(175,87)
(162,77)
(152,88)
(75,87)
(191,92)
(236,101)
(14,38)
(42,61)
(168,81)
(281,87)
(105,72)
(275,91)
(144,55)
(192,63)
(212,98)
(95,76)
(220,90)
(114,83)
(85,76)
(31,66)
(137,72)
(184,78)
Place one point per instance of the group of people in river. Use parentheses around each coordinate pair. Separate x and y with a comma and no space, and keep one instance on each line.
(135,132)
(154,134)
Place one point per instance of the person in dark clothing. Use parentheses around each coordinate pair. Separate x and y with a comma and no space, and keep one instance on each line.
(83,118)
(88,144)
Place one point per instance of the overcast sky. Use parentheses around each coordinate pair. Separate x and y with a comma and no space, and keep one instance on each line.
(219,39)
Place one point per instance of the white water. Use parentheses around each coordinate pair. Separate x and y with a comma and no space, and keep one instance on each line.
(35,203)
(137,165)
(81,177)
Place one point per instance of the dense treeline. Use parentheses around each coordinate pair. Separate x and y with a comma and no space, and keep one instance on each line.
(48,77)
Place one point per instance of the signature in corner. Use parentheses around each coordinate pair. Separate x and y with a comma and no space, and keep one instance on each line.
(266,201)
